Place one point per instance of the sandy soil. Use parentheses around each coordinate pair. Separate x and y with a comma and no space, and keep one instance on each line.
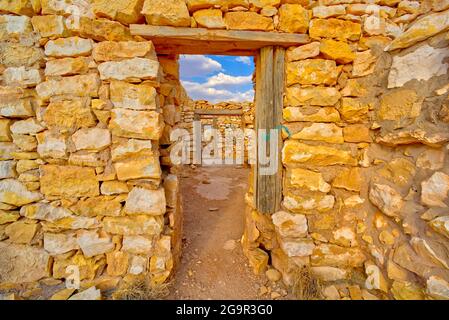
(213,265)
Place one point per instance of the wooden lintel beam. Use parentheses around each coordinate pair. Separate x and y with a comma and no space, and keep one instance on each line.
(206,41)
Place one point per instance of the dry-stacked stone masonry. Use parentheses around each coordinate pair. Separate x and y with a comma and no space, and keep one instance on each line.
(86,110)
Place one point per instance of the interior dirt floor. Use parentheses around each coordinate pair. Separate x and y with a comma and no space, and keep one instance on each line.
(213,265)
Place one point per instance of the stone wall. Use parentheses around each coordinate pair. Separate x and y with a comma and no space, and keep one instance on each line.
(366,175)
(85,119)
(221,123)
(86,110)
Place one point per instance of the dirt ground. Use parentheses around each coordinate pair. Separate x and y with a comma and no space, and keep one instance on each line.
(213,265)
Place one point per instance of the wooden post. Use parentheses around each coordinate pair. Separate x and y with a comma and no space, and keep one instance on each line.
(269,102)
(278,85)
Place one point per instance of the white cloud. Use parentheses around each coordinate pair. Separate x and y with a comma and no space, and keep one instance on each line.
(201,91)
(245,60)
(226,80)
(197,66)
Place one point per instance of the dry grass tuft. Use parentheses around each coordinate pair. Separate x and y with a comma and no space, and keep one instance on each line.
(142,289)
(305,285)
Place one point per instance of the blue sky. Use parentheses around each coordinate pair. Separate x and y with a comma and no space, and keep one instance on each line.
(217,78)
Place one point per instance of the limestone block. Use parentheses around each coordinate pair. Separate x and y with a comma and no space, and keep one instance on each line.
(421,65)
(315,96)
(76,86)
(264,3)
(22,77)
(305,204)
(293,18)
(195,5)
(7,217)
(5,132)
(7,150)
(92,244)
(248,21)
(49,26)
(98,206)
(51,145)
(302,178)
(68,115)
(387,199)
(144,201)
(132,148)
(89,294)
(92,139)
(68,181)
(401,106)
(19,55)
(210,18)
(432,159)
(312,71)
(337,50)
(66,7)
(46,212)
(21,232)
(16,109)
(136,124)
(171,188)
(434,191)
(15,193)
(7,169)
(354,88)
(327,132)
(303,52)
(406,291)
(88,267)
(357,133)
(103,30)
(137,265)
(21,7)
(438,288)
(422,29)
(142,168)
(60,243)
(412,137)
(349,179)
(353,110)
(326,114)
(335,28)
(117,262)
(297,247)
(114,188)
(130,69)
(138,244)
(166,13)
(364,64)
(441,225)
(121,50)
(28,126)
(133,96)
(295,152)
(324,12)
(336,256)
(290,225)
(135,225)
(124,11)
(330,273)
(30,263)
(67,66)
(68,47)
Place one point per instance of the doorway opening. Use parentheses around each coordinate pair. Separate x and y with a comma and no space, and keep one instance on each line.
(221,91)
